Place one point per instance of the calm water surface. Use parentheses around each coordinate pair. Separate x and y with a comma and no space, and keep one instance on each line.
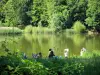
(34,43)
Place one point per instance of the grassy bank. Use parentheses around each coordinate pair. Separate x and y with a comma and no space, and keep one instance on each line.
(33,30)
(10,30)
(15,64)
(77,28)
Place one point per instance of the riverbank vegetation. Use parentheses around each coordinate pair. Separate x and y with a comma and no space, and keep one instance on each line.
(10,30)
(60,15)
(31,29)
(14,63)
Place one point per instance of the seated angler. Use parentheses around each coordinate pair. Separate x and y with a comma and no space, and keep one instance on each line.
(51,53)
(39,55)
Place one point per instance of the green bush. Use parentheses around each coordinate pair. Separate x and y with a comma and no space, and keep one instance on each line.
(28,29)
(73,68)
(15,64)
(32,68)
(79,27)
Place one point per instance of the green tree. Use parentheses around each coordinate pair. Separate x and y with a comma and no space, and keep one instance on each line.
(76,10)
(38,13)
(16,12)
(93,14)
(67,11)
(2,16)
(58,14)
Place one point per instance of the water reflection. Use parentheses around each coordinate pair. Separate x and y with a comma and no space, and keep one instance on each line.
(35,43)
(42,42)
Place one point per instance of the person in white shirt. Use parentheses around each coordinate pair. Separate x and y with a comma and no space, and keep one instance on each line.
(66,52)
(82,51)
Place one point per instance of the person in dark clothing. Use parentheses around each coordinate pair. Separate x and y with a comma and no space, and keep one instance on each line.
(24,56)
(51,53)
(39,55)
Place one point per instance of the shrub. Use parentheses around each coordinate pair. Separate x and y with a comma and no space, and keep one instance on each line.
(74,68)
(79,27)
(28,29)
(15,65)
(32,68)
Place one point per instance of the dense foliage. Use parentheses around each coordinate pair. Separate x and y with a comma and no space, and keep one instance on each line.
(58,14)
(15,64)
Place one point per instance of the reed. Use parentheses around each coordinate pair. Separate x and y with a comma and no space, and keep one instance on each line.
(10,30)
(38,30)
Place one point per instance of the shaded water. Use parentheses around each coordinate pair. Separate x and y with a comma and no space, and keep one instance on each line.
(34,43)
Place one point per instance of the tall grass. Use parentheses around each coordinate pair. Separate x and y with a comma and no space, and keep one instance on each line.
(42,30)
(33,30)
(94,53)
(10,30)
(70,31)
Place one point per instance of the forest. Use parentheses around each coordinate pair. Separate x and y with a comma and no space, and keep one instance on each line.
(49,37)
(58,14)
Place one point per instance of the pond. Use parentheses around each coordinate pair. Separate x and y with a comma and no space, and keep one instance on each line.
(35,43)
